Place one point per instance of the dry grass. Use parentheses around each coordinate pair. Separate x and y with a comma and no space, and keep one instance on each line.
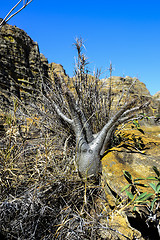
(42,196)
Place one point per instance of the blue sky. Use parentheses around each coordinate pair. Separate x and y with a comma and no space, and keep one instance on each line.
(126,32)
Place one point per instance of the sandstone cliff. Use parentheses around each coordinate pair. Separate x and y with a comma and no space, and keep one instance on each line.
(21,64)
(22,69)
(131,88)
(123,84)
(157,96)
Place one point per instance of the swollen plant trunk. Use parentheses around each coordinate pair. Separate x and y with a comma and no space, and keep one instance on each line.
(88,160)
(89,152)
(90,147)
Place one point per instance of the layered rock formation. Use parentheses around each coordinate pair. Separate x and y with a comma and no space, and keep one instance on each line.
(22,69)
(126,84)
(21,64)
(127,88)
(157,96)
(58,69)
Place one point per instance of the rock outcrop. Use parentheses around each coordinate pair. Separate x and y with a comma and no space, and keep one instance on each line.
(21,64)
(139,163)
(125,84)
(156,96)
(58,69)
(22,69)
(127,88)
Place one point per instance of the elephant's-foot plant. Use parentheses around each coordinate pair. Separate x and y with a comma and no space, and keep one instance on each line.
(87,111)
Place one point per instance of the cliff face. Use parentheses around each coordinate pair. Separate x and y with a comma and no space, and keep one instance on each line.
(123,84)
(157,96)
(131,88)
(22,69)
(20,62)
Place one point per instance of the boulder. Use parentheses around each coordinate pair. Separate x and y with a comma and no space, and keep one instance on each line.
(138,160)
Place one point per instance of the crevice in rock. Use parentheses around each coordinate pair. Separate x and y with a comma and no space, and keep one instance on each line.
(148,232)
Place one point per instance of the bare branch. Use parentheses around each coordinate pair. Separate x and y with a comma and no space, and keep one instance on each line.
(78,126)
(99,141)
(127,94)
(58,110)
(129,111)
(126,117)
(110,88)
(8,16)
(60,114)
(86,125)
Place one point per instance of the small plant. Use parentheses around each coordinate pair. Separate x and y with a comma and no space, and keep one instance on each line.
(137,126)
(156,188)
(135,194)
(149,199)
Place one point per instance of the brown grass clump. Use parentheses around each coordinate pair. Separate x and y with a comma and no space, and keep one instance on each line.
(42,196)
